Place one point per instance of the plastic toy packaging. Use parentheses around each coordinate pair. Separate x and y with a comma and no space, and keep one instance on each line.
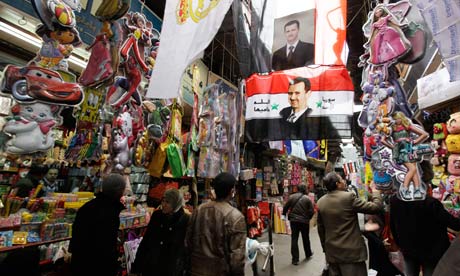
(6,238)
(19,237)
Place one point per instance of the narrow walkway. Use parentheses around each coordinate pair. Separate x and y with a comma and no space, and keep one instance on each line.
(283,266)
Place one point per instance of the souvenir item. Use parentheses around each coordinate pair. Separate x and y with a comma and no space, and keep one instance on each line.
(126,87)
(387,42)
(57,45)
(120,150)
(439,175)
(157,118)
(156,166)
(112,9)
(176,121)
(453,124)
(439,131)
(137,117)
(54,12)
(31,83)
(418,40)
(175,160)
(31,128)
(140,32)
(453,143)
(143,150)
(124,122)
(382,180)
(407,151)
(99,68)
(453,164)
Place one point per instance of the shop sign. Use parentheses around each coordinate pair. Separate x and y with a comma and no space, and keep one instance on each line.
(194,80)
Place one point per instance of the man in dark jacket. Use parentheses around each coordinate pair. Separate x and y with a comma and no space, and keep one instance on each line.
(419,228)
(295,53)
(300,210)
(95,231)
(216,236)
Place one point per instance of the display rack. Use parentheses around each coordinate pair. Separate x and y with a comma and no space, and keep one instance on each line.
(140,182)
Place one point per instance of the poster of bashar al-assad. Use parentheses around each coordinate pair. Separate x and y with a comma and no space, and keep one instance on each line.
(293,41)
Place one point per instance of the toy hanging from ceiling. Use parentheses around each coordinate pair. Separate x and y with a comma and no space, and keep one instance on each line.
(393,143)
(44,86)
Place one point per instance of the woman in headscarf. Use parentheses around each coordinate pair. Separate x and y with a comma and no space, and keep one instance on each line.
(162,250)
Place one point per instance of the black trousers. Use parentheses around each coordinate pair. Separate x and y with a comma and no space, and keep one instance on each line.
(296,228)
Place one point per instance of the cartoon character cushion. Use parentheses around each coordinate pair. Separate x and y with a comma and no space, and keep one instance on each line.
(31,128)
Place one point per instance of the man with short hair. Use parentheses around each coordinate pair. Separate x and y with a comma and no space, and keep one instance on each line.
(49,183)
(295,53)
(299,92)
(300,210)
(338,226)
(216,236)
(95,231)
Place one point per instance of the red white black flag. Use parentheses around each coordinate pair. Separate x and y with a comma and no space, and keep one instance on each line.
(329,112)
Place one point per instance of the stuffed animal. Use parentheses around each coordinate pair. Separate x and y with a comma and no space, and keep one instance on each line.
(31,128)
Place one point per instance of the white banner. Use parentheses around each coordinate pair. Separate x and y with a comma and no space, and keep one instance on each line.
(188,28)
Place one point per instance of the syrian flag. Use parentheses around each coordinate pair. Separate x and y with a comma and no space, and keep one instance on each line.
(330,105)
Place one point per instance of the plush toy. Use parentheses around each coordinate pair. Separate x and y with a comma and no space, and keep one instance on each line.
(453,124)
(31,128)
(439,131)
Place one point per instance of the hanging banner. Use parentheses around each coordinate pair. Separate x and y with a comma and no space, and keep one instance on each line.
(322,111)
(188,28)
(279,35)
(305,149)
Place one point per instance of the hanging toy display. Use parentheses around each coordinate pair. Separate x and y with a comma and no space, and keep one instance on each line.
(32,83)
(55,13)
(57,45)
(30,128)
(125,88)
(44,85)
(140,34)
(393,143)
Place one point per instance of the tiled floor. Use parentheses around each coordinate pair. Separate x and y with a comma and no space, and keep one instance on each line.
(282,257)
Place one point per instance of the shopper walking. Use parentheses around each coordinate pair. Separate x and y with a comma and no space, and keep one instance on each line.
(338,226)
(216,237)
(299,209)
(419,228)
(162,249)
(95,231)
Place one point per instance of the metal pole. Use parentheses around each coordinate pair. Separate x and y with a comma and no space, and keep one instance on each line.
(270,240)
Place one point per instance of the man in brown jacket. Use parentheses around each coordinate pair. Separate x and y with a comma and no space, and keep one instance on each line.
(216,236)
(338,227)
